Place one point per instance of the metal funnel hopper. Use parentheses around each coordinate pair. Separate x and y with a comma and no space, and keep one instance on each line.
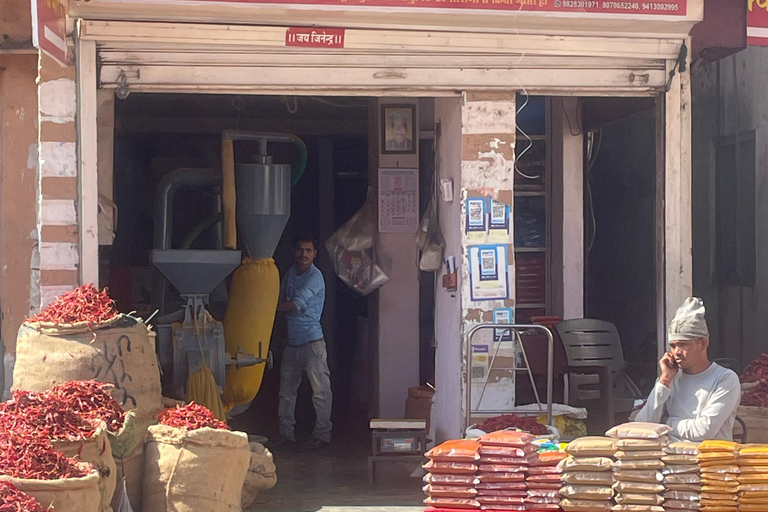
(263,206)
(195,272)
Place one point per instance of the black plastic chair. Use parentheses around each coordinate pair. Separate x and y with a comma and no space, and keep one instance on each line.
(595,368)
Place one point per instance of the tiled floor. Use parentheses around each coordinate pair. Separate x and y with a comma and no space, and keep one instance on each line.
(336,480)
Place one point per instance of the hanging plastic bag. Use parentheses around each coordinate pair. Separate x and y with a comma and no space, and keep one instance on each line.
(123,503)
(430,241)
(353,251)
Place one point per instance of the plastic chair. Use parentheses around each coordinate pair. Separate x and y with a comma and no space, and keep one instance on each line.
(741,437)
(595,368)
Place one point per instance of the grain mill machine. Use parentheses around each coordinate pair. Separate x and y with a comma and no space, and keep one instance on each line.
(255,207)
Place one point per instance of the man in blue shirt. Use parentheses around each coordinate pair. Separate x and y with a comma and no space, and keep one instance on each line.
(302,296)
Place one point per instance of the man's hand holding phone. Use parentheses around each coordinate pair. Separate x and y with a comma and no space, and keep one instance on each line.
(669,369)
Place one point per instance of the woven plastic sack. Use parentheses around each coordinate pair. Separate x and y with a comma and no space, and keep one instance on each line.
(591,446)
(201,470)
(651,476)
(587,492)
(639,430)
(62,495)
(96,451)
(462,450)
(585,464)
(577,505)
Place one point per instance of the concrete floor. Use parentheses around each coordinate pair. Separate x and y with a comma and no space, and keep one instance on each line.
(336,480)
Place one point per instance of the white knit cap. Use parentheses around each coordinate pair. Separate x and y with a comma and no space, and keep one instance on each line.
(689,322)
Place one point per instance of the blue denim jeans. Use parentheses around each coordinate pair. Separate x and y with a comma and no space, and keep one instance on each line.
(313,359)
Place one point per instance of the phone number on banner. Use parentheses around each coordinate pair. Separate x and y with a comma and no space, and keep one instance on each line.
(637,7)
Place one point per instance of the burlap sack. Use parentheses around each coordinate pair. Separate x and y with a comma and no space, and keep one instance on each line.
(63,495)
(97,451)
(197,471)
(118,352)
(261,474)
(128,452)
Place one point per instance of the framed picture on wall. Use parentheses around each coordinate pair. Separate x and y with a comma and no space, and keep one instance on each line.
(397,132)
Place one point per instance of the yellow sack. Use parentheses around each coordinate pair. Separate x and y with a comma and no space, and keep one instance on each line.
(248,321)
(202,389)
(718,445)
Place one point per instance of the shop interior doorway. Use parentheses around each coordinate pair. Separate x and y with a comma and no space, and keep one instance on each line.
(156,134)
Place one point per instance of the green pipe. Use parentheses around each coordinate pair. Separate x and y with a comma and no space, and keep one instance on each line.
(201,227)
(299,172)
(274,137)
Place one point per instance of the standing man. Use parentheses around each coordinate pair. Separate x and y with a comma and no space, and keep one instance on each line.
(694,396)
(302,296)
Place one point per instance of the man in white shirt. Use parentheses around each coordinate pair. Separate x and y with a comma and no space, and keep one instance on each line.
(694,396)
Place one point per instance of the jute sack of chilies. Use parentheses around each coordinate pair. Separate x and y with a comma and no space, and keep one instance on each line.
(95,450)
(117,351)
(128,453)
(200,470)
(62,495)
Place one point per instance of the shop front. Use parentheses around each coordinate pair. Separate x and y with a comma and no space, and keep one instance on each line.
(499,97)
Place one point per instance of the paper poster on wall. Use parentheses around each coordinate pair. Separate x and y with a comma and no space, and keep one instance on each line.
(503,316)
(479,362)
(488,272)
(398,200)
(499,214)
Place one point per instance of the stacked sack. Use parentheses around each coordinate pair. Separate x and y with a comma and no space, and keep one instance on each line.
(543,482)
(451,478)
(586,475)
(503,468)
(639,453)
(719,475)
(753,478)
(681,477)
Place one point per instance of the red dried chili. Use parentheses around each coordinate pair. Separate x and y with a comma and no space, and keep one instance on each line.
(190,417)
(757,370)
(756,396)
(83,304)
(25,455)
(90,399)
(42,415)
(14,500)
(505,421)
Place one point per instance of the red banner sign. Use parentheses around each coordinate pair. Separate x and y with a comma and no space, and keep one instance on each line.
(315,37)
(627,7)
(49,30)
(757,22)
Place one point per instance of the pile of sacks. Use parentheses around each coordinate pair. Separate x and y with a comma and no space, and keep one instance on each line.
(452,475)
(586,475)
(719,475)
(638,467)
(544,474)
(504,461)
(753,478)
(681,477)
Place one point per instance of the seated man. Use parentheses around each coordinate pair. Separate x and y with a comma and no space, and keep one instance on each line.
(700,401)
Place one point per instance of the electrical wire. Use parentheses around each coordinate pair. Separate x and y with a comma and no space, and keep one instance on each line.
(578,117)
(594,149)
(520,109)
(292,109)
(338,105)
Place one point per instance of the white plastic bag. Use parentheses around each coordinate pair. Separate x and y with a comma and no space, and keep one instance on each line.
(353,251)
(123,503)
